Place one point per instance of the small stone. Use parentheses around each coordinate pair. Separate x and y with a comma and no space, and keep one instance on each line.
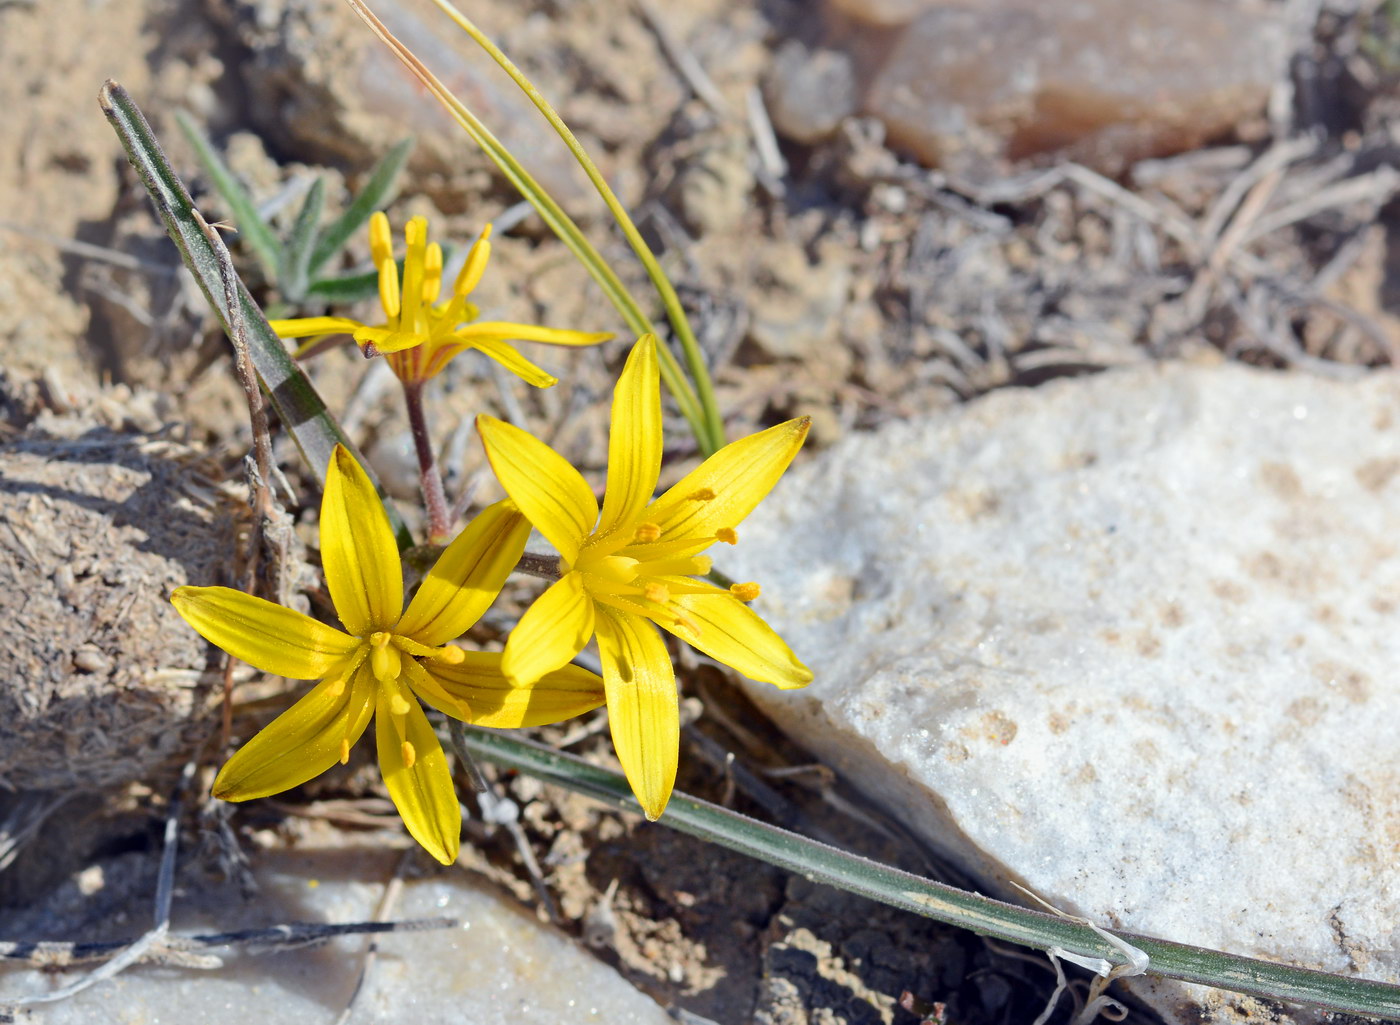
(1105,82)
(797,304)
(882,13)
(715,187)
(1119,639)
(90,660)
(810,92)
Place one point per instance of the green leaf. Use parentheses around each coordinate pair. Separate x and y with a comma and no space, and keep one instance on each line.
(296,254)
(252,229)
(376,195)
(298,406)
(350,288)
(825,864)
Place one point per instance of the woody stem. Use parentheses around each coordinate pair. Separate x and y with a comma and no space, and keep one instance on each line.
(434,494)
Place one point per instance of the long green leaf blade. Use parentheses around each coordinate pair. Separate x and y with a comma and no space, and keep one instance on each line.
(675,312)
(556,219)
(294,274)
(351,288)
(299,407)
(251,227)
(378,192)
(826,864)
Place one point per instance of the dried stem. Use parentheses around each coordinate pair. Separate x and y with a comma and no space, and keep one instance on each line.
(434,494)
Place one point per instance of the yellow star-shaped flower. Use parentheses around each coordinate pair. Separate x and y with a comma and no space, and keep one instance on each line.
(385,661)
(635,564)
(419,334)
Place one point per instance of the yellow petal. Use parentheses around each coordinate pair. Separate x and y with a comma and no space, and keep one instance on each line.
(303,327)
(416,773)
(479,683)
(302,742)
(724,489)
(553,630)
(550,492)
(643,711)
(266,636)
(358,553)
(387,340)
(506,355)
(508,331)
(466,577)
(634,446)
(733,633)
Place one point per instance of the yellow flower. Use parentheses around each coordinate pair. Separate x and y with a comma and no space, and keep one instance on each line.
(419,334)
(385,661)
(636,565)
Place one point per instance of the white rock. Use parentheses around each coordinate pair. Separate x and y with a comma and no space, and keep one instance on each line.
(500,967)
(1129,640)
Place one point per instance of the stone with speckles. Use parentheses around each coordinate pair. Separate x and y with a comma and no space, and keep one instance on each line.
(1131,640)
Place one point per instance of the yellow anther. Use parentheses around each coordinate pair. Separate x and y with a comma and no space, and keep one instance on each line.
(409,755)
(687,624)
(470,274)
(449,653)
(344,750)
(646,533)
(399,705)
(381,241)
(432,274)
(703,495)
(389,289)
(657,593)
(728,535)
(703,564)
(336,687)
(744,592)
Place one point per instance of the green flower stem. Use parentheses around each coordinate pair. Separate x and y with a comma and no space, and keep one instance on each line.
(298,406)
(434,494)
(982,915)
(560,223)
(675,312)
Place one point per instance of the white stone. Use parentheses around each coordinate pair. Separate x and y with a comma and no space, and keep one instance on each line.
(500,967)
(1132,641)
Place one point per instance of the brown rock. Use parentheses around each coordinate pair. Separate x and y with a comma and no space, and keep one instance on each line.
(1105,82)
(105,684)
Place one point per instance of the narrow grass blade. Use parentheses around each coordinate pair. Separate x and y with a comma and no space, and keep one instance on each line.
(675,312)
(300,409)
(982,915)
(252,229)
(558,221)
(378,192)
(351,288)
(294,274)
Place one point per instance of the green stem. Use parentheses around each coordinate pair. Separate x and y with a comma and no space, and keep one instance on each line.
(982,915)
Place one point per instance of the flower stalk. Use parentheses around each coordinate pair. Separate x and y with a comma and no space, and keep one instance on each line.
(429,475)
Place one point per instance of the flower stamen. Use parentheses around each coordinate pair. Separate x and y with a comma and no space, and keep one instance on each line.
(745,592)
(646,533)
(728,535)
